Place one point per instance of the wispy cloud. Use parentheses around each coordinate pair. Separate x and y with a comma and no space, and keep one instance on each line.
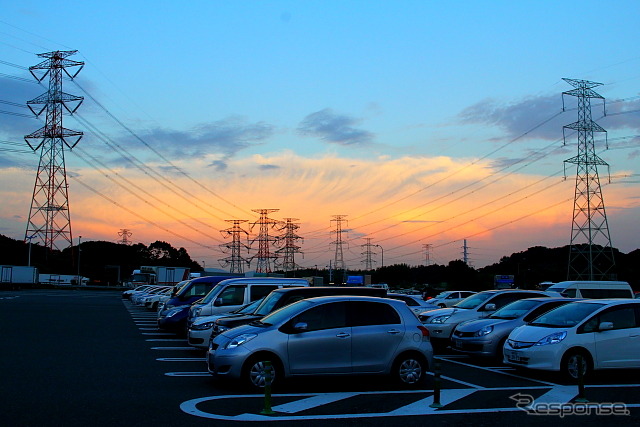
(223,137)
(335,128)
(518,118)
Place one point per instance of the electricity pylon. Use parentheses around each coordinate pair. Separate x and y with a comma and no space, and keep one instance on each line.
(124,234)
(264,255)
(288,251)
(49,217)
(590,251)
(235,261)
(338,261)
(368,262)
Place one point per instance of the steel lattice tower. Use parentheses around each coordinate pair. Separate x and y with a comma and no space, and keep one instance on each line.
(338,261)
(368,262)
(49,218)
(265,241)
(124,234)
(427,253)
(590,251)
(290,248)
(235,261)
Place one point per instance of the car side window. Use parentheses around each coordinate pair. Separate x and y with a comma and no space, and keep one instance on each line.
(260,291)
(452,295)
(622,317)
(569,293)
(232,295)
(366,313)
(325,316)
(504,299)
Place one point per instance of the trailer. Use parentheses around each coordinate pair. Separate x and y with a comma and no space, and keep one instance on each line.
(63,280)
(14,275)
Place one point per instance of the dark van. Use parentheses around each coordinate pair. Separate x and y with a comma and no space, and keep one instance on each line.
(285,296)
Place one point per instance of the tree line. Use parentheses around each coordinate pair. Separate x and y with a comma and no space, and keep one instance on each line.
(110,263)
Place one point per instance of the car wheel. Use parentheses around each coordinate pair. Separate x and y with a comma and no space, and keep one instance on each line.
(410,370)
(570,363)
(254,372)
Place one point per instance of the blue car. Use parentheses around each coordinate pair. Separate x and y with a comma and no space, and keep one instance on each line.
(173,315)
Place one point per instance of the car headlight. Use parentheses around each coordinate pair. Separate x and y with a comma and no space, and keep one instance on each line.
(239,340)
(174,311)
(440,319)
(202,326)
(484,331)
(554,338)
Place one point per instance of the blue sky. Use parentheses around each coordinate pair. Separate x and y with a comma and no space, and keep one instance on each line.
(336,97)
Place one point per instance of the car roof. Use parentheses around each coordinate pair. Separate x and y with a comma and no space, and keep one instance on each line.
(332,298)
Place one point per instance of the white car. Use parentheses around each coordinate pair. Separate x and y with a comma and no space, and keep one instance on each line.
(442,321)
(597,334)
(199,332)
(153,301)
(448,298)
(415,302)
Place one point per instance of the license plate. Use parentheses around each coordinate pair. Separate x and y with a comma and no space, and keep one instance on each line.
(514,356)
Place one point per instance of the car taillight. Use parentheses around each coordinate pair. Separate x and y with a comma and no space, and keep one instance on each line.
(425,331)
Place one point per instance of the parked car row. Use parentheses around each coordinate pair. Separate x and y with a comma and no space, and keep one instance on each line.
(546,330)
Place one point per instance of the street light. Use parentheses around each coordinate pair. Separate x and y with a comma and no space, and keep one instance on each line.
(29,259)
(382,257)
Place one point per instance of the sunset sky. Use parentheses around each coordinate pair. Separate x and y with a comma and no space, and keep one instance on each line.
(421,122)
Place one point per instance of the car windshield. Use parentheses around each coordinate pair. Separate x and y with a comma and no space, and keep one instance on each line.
(213,293)
(249,308)
(566,316)
(474,300)
(267,304)
(515,309)
(285,313)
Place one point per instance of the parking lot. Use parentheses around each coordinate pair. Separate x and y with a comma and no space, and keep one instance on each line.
(89,357)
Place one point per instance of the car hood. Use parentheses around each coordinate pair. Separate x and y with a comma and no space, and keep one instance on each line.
(441,312)
(241,319)
(529,333)
(212,318)
(476,325)
(244,329)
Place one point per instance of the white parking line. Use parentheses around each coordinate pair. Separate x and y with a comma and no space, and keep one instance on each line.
(176,348)
(311,402)
(502,372)
(188,374)
(181,359)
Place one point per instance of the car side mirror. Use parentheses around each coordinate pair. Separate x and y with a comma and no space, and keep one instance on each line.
(490,307)
(300,327)
(605,326)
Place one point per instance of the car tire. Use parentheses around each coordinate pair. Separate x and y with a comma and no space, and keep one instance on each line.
(409,370)
(254,371)
(569,364)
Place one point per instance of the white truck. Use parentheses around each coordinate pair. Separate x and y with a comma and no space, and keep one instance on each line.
(157,275)
(18,275)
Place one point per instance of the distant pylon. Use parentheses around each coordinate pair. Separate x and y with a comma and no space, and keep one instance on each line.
(235,261)
(368,262)
(427,253)
(288,251)
(338,261)
(590,251)
(124,234)
(264,255)
(49,217)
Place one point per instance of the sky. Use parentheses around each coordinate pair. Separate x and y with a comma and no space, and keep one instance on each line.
(422,124)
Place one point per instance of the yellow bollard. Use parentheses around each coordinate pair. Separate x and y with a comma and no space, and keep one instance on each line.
(268,369)
(436,386)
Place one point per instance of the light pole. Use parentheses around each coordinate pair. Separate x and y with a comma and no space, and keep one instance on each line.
(29,258)
(382,257)
(79,250)
(204,265)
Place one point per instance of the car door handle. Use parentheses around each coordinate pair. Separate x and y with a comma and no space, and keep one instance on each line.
(393,332)
(343,335)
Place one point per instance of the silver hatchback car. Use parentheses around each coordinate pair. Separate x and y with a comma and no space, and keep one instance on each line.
(347,335)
